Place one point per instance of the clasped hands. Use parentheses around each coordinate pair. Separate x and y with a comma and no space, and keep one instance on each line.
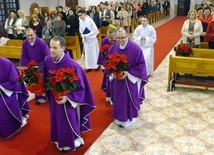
(191,36)
(63,100)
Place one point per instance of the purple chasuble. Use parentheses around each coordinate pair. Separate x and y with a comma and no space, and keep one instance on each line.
(66,125)
(14,106)
(100,61)
(36,52)
(125,95)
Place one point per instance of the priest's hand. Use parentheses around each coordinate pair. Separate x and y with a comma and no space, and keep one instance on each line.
(125,74)
(62,100)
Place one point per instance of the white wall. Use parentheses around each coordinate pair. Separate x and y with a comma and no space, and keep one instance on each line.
(25,4)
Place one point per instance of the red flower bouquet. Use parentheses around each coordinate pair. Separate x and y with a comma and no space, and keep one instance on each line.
(62,81)
(116,64)
(183,50)
(104,49)
(33,78)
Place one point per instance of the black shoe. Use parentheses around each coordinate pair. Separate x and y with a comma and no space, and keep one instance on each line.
(88,70)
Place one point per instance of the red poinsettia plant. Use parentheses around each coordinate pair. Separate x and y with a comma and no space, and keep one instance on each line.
(62,81)
(183,50)
(33,78)
(116,63)
(104,49)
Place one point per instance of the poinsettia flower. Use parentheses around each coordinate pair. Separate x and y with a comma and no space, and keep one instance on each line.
(32,63)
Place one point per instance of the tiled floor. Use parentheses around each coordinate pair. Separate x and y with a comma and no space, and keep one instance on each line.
(170,123)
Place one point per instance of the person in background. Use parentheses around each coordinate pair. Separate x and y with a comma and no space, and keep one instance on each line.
(71,23)
(145,36)
(34,48)
(36,25)
(21,25)
(39,15)
(69,116)
(46,16)
(105,15)
(110,39)
(9,24)
(166,7)
(89,31)
(48,32)
(60,10)
(199,10)
(95,16)
(127,92)
(59,26)
(205,19)
(210,33)
(192,30)
(14,107)
(53,17)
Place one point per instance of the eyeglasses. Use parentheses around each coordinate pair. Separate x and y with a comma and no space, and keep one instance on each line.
(121,37)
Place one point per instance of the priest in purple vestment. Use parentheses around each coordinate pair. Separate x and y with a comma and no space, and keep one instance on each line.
(110,39)
(70,115)
(34,48)
(127,93)
(13,100)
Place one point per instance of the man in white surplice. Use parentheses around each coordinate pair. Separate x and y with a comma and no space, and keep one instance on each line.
(89,31)
(145,36)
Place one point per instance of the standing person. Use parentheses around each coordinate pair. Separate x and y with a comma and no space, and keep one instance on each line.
(192,30)
(34,48)
(36,25)
(89,31)
(70,115)
(205,19)
(71,23)
(110,39)
(59,26)
(39,15)
(127,93)
(21,25)
(210,33)
(145,36)
(48,32)
(13,100)
(9,24)
(166,7)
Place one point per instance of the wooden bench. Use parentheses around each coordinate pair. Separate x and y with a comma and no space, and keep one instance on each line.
(12,49)
(203,53)
(190,71)
(73,44)
(203,45)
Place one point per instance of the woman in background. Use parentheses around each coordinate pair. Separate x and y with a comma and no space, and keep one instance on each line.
(210,33)
(9,24)
(36,25)
(192,30)
(59,26)
(21,26)
(48,32)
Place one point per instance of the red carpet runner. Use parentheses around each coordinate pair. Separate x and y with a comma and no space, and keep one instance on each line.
(34,137)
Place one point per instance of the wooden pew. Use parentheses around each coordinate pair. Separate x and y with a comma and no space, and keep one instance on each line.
(190,71)
(73,44)
(103,31)
(203,53)
(203,45)
(12,49)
